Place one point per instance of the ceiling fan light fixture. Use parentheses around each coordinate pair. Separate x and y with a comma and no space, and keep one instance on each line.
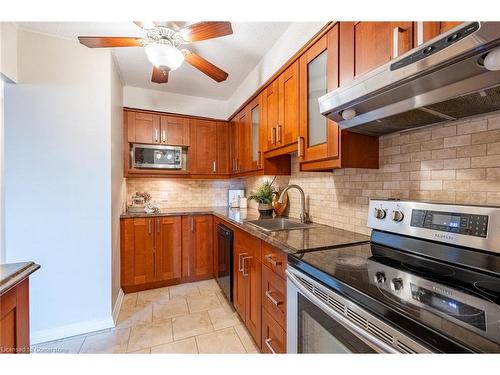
(164,56)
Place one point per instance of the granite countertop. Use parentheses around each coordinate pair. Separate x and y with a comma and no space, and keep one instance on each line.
(290,241)
(13,273)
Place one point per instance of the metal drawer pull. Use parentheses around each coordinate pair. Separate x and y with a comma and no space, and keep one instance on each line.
(214,167)
(149,226)
(243,261)
(192,224)
(279,133)
(271,298)
(239,261)
(269,258)
(158,225)
(268,344)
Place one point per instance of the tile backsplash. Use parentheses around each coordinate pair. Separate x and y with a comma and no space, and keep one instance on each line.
(456,162)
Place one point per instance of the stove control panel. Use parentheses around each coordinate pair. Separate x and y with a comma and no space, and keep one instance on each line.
(475,227)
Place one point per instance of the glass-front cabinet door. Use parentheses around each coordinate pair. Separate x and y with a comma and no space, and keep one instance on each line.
(255,133)
(318,75)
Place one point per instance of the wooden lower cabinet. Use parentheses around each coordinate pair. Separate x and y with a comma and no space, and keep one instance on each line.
(273,336)
(168,240)
(14,319)
(197,247)
(274,296)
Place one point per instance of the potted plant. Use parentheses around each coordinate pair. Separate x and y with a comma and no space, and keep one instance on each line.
(263,195)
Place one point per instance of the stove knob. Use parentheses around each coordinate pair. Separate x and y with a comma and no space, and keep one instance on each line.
(380,213)
(397,284)
(397,216)
(379,278)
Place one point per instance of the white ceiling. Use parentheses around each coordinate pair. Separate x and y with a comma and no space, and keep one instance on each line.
(237,54)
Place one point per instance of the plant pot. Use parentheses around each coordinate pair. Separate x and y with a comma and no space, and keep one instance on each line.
(265,209)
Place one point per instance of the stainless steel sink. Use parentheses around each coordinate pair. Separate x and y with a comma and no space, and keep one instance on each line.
(276,224)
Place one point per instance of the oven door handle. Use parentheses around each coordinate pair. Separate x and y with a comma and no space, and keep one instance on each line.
(358,331)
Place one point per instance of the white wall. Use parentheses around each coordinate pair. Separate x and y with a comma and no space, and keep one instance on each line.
(8,51)
(118,190)
(294,38)
(135,97)
(2,182)
(58,183)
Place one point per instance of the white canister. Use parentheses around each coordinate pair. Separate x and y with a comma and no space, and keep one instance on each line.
(243,202)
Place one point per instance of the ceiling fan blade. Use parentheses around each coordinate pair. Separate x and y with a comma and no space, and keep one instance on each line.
(111,41)
(205,30)
(205,66)
(159,76)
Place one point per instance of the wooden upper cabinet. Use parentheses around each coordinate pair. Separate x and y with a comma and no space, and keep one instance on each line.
(168,248)
(174,131)
(234,151)
(203,150)
(270,104)
(256,133)
(319,74)
(197,247)
(143,128)
(425,31)
(365,46)
(222,165)
(243,129)
(288,114)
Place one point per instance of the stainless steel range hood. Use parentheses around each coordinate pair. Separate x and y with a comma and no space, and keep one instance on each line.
(444,79)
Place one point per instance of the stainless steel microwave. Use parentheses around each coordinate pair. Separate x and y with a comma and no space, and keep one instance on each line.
(157,157)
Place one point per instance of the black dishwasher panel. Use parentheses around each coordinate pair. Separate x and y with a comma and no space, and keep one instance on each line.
(224,273)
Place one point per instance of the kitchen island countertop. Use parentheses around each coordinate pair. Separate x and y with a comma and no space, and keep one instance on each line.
(12,273)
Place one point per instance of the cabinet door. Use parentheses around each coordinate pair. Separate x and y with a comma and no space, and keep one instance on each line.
(137,251)
(252,271)
(318,75)
(288,114)
(365,46)
(222,165)
(425,31)
(145,128)
(273,336)
(168,248)
(234,141)
(203,150)
(174,131)
(197,247)
(270,114)
(15,319)
(243,129)
(239,286)
(255,130)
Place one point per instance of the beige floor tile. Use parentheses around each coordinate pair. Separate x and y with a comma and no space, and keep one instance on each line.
(170,309)
(208,286)
(114,341)
(148,335)
(130,316)
(152,295)
(67,346)
(184,290)
(186,346)
(191,325)
(202,302)
(223,300)
(246,339)
(129,300)
(223,317)
(224,341)
(142,351)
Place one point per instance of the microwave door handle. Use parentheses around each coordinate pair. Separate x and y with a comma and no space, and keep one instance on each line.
(342,320)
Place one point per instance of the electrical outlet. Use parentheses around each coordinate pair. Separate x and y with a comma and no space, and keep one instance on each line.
(164,195)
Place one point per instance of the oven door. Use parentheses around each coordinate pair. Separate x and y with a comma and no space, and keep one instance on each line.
(321,321)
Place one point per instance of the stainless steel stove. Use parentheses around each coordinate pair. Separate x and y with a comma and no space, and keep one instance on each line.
(428,281)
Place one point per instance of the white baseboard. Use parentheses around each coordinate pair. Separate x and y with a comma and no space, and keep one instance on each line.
(118,305)
(71,330)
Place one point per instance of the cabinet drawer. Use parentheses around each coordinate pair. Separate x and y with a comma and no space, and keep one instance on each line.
(273,336)
(249,243)
(274,258)
(274,296)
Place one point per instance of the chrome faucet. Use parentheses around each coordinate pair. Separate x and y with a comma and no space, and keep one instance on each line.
(304,215)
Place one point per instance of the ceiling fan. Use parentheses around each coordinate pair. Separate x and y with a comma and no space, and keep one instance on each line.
(163,46)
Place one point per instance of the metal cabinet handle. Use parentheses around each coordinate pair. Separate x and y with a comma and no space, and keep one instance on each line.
(237,165)
(279,133)
(268,344)
(214,167)
(395,41)
(299,148)
(149,226)
(273,136)
(192,224)
(239,261)
(164,136)
(269,258)
(158,225)
(244,263)
(156,135)
(420,33)
(272,299)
